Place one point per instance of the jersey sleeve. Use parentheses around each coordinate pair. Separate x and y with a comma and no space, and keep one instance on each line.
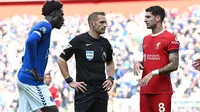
(109,53)
(173,44)
(34,37)
(70,49)
(42,28)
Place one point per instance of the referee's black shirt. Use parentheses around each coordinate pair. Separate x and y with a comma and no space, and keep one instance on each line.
(90,55)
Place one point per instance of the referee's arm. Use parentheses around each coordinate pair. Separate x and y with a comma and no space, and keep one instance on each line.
(63,67)
(62,60)
(107,85)
(62,63)
(110,69)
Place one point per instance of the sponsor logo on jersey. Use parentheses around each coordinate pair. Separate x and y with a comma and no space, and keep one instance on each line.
(151,57)
(89,55)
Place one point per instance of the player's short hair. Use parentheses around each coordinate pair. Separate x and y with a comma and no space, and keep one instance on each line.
(94,15)
(50,6)
(157,10)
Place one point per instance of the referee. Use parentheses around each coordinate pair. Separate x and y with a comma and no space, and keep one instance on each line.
(93,53)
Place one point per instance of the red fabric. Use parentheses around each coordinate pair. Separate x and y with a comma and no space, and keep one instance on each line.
(55,94)
(155,103)
(155,56)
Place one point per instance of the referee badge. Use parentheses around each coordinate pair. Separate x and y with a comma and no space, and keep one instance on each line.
(104,56)
(89,55)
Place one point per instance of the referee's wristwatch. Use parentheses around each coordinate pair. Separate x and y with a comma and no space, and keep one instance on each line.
(69,80)
(111,79)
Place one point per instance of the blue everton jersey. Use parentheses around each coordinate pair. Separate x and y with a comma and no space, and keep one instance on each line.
(36,53)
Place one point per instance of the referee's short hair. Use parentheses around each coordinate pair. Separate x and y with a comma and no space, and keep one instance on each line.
(94,15)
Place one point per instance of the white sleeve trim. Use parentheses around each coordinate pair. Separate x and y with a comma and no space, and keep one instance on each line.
(38,33)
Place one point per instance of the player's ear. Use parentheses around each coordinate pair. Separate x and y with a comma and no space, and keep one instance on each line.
(157,18)
(91,23)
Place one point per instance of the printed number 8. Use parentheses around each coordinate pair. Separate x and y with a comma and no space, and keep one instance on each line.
(161,107)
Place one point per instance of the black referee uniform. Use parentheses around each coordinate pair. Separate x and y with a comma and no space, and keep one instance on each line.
(90,55)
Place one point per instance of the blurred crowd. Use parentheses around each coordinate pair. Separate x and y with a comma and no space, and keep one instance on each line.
(125,34)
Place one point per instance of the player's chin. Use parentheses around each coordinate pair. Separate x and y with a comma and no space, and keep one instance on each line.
(58,27)
(149,27)
(102,31)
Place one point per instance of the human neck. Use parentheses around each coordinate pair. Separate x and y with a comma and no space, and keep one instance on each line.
(48,19)
(94,34)
(157,30)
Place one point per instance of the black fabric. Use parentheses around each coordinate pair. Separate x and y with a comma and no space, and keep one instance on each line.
(50,109)
(42,34)
(173,51)
(93,100)
(91,55)
(69,80)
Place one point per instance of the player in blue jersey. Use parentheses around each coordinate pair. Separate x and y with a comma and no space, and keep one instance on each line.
(34,95)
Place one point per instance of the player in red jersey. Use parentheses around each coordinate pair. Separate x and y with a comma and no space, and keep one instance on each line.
(160,58)
(54,90)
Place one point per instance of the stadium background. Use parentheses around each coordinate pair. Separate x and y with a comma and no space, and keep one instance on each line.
(125,32)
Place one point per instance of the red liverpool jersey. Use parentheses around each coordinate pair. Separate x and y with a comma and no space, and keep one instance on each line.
(156,55)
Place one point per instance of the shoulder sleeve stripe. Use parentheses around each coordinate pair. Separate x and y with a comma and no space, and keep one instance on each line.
(39,33)
(173,51)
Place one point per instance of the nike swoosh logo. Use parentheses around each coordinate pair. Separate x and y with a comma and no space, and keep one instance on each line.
(88,44)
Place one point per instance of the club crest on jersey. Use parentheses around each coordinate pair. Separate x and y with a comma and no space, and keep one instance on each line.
(89,55)
(157,45)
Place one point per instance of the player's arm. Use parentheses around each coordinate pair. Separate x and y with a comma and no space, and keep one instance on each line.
(32,42)
(138,65)
(173,64)
(173,48)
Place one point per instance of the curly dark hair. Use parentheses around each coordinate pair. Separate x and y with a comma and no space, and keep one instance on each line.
(50,6)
